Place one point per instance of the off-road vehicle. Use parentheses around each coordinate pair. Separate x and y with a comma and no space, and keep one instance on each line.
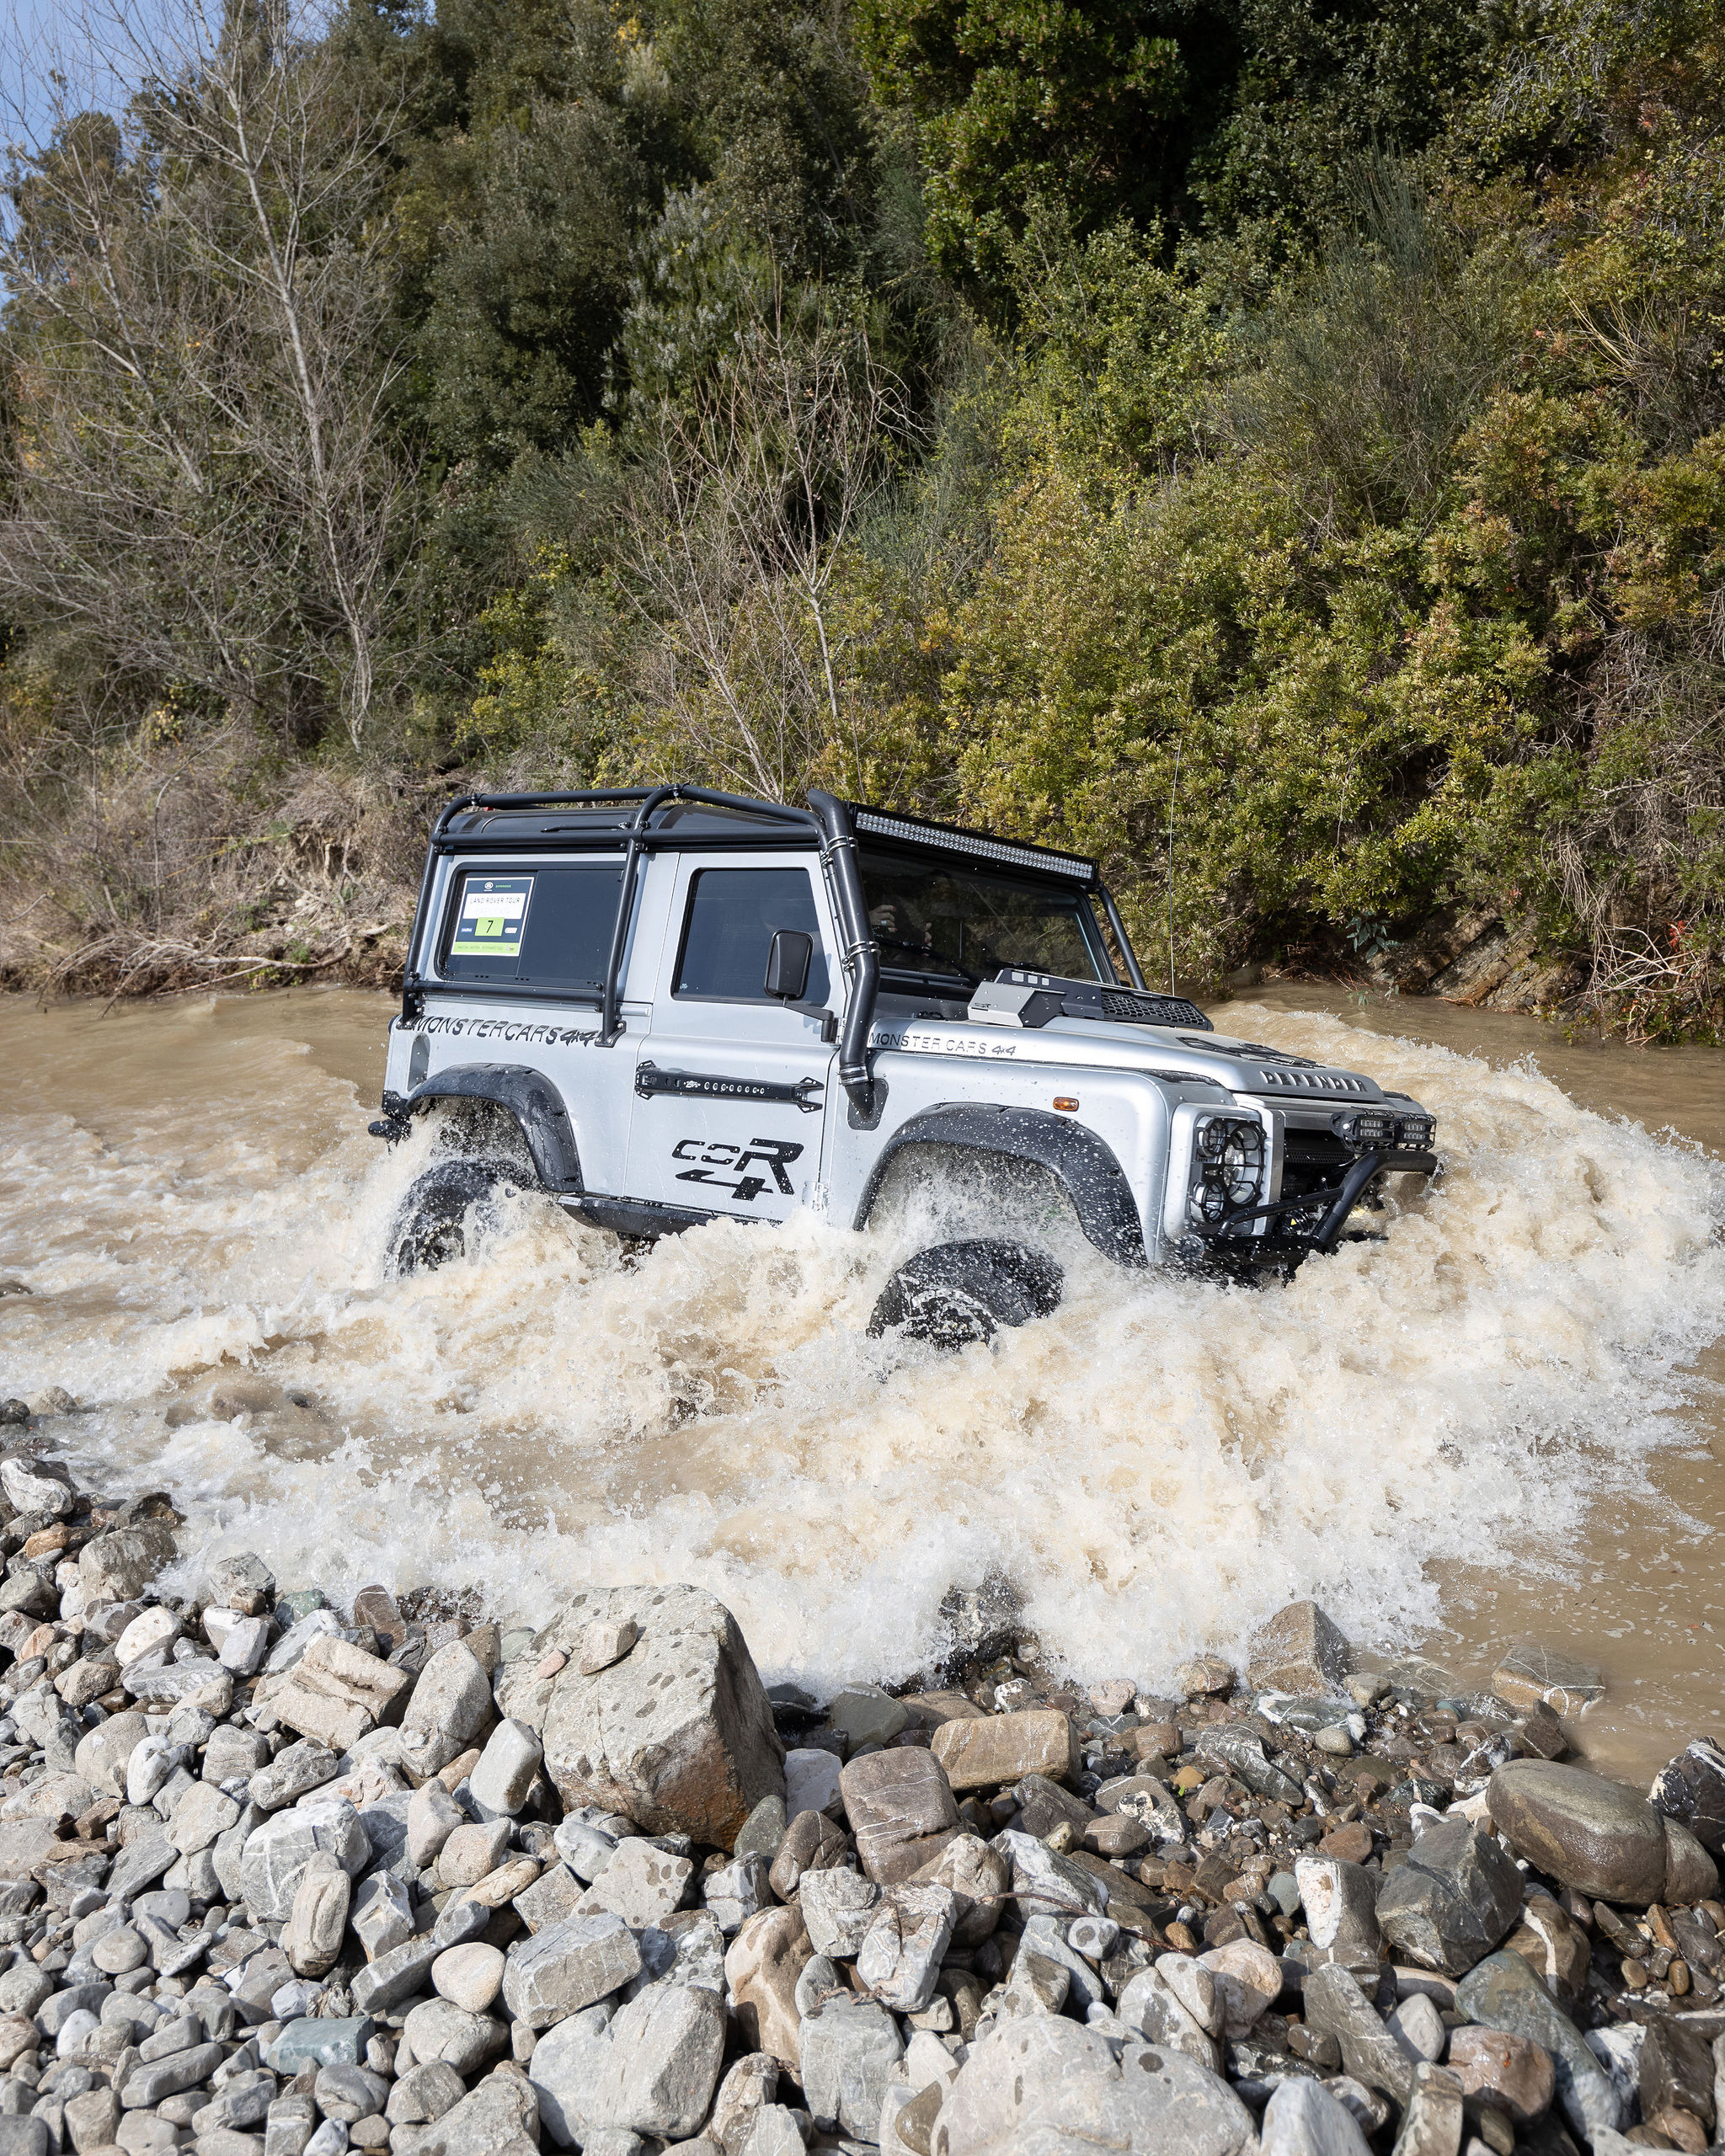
(663,1006)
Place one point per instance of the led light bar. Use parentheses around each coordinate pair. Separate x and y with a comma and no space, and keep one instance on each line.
(915,832)
(1365,1127)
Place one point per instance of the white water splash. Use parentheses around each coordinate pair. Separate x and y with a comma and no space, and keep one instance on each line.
(1156,1466)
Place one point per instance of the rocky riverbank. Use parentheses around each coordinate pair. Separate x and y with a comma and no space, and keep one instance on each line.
(282,1879)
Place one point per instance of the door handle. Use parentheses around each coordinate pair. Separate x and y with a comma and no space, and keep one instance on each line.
(712,1086)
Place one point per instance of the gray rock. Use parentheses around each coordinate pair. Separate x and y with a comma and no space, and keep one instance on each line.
(1301,2119)
(36,1485)
(233,1751)
(1335,2006)
(588,1838)
(1455,1896)
(348,2093)
(439,2028)
(319,2042)
(659,2064)
(168,2077)
(140,1864)
(1176,2004)
(450,1707)
(506,1768)
(1502,1993)
(24,2136)
(1049,2086)
(243,1648)
(838,1906)
(244,2100)
(735,1892)
(295,1772)
(1418,2027)
(847,2051)
(902,1951)
(1691,1791)
(499,2117)
(433,1816)
(424,2093)
(763,1831)
(397,1975)
(644,1884)
(866,1715)
(687,1949)
(1044,1883)
(565,2069)
(1242,1754)
(383,1914)
(101,1756)
(460,1920)
(571,1965)
(241,1581)
(1593,1834)
(901,1809)
(678,1736)
(1341,1909)
(277,1854)
(1298,1650)
(290,1649)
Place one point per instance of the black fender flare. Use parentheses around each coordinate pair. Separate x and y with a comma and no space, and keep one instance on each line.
(1086,1167)
(531,1097)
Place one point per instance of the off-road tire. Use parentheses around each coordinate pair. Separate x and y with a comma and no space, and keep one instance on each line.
(430,1229)
(954,1293)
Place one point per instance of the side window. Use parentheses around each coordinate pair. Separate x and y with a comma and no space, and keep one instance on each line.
(549,926)
(733,913)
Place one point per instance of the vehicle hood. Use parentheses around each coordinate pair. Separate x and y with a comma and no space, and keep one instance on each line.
(1272,1074)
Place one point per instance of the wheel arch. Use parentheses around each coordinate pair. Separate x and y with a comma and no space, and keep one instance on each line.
(530,1097)
(1086,1167)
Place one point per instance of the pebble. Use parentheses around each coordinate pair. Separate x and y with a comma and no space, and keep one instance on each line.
(505,1881)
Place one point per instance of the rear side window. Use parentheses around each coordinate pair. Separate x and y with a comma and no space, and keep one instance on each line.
(547,927)
(733,913)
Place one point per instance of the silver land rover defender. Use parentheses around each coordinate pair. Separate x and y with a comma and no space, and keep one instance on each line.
(666,1006)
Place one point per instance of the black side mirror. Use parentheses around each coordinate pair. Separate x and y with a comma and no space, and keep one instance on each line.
(787,963)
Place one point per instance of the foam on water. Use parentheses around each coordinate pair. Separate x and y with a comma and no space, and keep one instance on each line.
(1156,1467)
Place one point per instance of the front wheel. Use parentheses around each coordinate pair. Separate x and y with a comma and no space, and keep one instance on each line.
(431,1229)
(956,1293)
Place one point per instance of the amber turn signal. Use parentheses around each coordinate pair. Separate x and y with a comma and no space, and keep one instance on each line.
(1064,1101)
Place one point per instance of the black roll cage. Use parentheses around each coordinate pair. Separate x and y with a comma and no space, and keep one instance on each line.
(826,824)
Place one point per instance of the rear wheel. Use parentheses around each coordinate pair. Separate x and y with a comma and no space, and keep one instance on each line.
(431,1227)
(956,1292)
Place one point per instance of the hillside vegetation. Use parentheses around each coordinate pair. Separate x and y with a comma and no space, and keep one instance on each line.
(1277,446)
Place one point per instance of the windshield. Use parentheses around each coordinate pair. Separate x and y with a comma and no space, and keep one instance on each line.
(961,925)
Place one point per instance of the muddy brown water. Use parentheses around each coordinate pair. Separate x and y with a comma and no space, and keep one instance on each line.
(1500,1423)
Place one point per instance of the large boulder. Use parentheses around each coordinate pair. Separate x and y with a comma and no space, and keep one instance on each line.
(1043,2086)
(1593,1834)
(1452,1900)
(677,1735)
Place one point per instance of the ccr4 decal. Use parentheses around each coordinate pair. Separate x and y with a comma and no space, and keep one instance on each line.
(774,1154)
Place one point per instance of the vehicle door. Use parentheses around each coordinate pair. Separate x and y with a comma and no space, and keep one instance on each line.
(731,1084)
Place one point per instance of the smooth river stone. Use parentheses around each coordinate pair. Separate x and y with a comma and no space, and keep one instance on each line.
(1593,1834)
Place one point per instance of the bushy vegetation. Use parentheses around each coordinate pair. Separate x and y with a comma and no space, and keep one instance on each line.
(1284,441)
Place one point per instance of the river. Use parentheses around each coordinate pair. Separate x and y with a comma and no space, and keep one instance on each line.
(1502,1421)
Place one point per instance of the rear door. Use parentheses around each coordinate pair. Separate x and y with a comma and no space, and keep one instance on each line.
(731,1085)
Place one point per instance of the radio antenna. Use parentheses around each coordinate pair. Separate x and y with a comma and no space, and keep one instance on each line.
(1172,790)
